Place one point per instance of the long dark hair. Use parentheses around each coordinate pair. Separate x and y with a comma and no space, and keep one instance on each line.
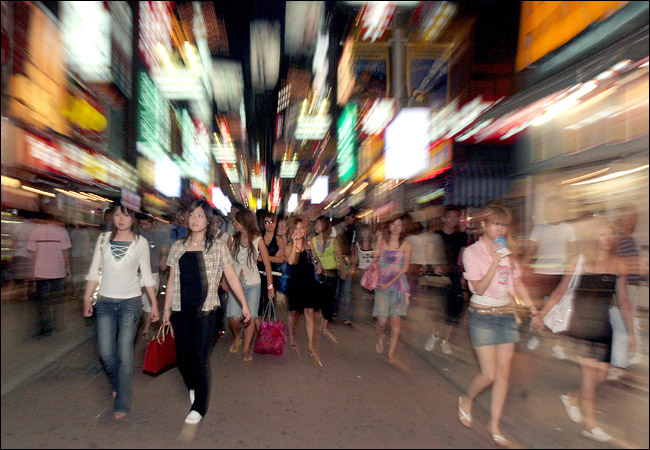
(247,220)
(207,210)
(327,229)
(406,219)
(128,212)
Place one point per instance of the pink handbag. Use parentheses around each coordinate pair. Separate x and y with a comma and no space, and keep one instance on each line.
(370,276)
(270,337)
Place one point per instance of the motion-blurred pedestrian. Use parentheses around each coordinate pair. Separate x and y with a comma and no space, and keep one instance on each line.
(158,250)
(196,265)
(392,293)
(124,259)
(493,277)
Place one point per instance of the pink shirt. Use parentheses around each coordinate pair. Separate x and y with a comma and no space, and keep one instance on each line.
(477,260)
(48,241)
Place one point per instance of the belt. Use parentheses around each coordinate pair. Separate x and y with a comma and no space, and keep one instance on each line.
(494,311)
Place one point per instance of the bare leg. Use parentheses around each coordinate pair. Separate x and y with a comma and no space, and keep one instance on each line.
(449,329)
(310,324)
(395,329)
(504,354)
(293,321)
(487,359)
(146,317)
(235,327)
(249,333)
(590,375)
(380,328)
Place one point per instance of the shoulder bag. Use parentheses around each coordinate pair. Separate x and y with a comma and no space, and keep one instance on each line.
(559,317)
(270,337)
(95,294)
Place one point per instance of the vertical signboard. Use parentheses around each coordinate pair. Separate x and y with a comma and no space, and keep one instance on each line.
(346,155)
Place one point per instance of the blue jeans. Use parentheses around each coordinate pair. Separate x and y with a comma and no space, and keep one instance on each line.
(117,323)
(345,298)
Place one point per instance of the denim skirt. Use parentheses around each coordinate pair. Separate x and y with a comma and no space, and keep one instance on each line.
(486,329)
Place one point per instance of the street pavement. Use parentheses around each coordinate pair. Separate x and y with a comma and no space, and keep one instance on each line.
(356,400)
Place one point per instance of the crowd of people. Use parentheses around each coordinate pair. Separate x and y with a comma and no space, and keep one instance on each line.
(219,273)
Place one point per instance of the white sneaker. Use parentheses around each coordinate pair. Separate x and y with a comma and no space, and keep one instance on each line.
(431,342)
(597,434)
(192,396)
(193,418)
(533,343)
(444,346)
(558,352)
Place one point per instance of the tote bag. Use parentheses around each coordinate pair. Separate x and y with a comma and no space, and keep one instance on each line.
(161,352)
(270,337)
(370,276)
(558,318)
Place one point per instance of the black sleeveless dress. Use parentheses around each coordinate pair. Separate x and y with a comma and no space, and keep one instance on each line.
(302,284)
(273,249)
(590,320)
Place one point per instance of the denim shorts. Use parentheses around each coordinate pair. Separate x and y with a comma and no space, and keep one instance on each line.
(252,293)
(389,303)
(485,329)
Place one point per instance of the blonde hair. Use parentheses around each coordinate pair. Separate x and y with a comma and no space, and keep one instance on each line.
(498,211)
(590,241)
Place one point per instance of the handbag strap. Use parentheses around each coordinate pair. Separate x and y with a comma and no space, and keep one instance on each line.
(163,331)
(270,311)
(577,271)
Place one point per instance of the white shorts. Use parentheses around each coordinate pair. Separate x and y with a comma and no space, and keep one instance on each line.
(146,304)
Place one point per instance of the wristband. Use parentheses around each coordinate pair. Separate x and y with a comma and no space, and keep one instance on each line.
(168,310)
(270,286)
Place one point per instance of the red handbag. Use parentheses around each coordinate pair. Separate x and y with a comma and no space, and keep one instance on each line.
(270,337)
(161,352)
(370,276)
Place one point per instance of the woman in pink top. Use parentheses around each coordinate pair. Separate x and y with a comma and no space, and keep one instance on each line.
(493,277)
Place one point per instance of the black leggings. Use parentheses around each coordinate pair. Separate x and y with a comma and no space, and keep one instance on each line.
(195,334)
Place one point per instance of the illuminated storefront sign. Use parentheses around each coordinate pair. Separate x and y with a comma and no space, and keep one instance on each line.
(375,20)
(227,84)
(319,190)
(154,133)
(86,28)
(439,160)
(305,19)
(312,127)
(378,116)
(168,178)
(220,201)
(346,157)
(289,169)
(265,54)
(155,22)
(407,144)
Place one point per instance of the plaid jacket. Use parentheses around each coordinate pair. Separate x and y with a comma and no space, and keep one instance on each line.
(215,260)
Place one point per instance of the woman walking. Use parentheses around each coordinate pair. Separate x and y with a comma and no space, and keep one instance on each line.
(362,257)
(301,285)
(392,293)
(196,265)
(330,266)
(492,278)
(124,259)
(602,284)
(275,247)
(247,245)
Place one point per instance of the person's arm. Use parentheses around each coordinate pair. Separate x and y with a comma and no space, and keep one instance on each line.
(319,266)
(163,257)
(520,288)
(147,278)
(291,252)
(167,311)
(92,278)
(236,288)
(406,248)
(343,273)
(482,285)
(355,254)
(531,250)
(279,257)
(66,258)
(266,259)
(538,321)
(624,303)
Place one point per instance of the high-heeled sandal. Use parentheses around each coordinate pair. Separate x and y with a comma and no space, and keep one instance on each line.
(315,357)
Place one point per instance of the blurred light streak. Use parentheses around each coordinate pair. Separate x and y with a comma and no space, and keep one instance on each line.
(584,177)
(11,182)
(611,176)
(345,189)
(360,188)
(37,191)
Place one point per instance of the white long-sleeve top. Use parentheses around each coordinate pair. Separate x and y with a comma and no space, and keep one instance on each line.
(120,279)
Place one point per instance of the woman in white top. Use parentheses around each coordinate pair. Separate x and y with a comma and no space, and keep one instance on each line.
(247,244)
(121,253)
